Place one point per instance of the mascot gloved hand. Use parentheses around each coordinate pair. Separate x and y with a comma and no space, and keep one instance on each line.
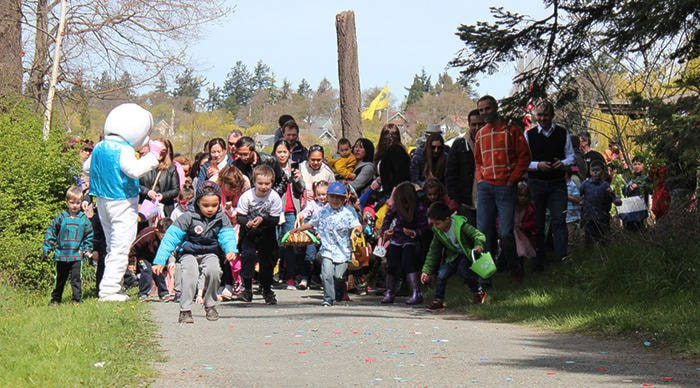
(114,179)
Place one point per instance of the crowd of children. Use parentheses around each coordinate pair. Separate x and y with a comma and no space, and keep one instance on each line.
(222,231)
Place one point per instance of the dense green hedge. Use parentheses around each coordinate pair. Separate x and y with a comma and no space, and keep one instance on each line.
(34,176)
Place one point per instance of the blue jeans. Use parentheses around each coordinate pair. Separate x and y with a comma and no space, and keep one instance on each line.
(498,201)
(145,282)
(331,274)
(461,265)
(552,195)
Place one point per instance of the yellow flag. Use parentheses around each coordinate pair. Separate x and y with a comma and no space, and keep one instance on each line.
(380,102)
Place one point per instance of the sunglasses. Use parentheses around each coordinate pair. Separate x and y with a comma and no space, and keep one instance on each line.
(315,148)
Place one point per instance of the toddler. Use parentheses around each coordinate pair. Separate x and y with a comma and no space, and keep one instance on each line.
(334,223)
(183,199)
(573,208)
(312,208)
(344,165)
(454,236)
(141,255)
(69,236)
(524,227)
(202,233)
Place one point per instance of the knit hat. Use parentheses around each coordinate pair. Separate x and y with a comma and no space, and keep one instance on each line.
(207,188)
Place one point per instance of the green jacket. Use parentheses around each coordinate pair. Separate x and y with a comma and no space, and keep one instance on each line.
(469,237)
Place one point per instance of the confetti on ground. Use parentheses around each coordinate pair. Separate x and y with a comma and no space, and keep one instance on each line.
(647,343)
(326,342)
(268,343)
(355,332)
(441,340)
(540,358)
(100,364)
(626,381)
(475,381)
(571,362)
(551,373)
(483,359)
(441,357)
(302,352)
(668,378)
(415,332)
(602,369)
(297,343)
(403,346)
(603,352)
(338,332)
(508,379)
(647,385)
(232,326)
(369,361)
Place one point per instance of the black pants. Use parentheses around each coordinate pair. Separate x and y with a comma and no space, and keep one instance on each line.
(147,278)
(258,248)
(63,270)
(596,231)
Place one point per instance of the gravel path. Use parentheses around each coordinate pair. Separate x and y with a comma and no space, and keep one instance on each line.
(362,343)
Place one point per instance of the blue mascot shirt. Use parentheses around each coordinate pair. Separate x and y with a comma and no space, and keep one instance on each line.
(106,177)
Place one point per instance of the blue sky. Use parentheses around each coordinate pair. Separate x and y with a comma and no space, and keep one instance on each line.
(396,39)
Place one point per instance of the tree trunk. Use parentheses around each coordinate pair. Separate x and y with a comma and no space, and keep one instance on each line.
(54,71)
(40,64)
(348,76)
(10,47)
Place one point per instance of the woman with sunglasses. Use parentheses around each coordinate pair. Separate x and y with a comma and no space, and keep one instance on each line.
(435,156)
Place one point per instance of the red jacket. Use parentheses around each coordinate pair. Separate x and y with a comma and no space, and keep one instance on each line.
(501,154)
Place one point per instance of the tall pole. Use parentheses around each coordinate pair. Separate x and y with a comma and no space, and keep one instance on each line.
(348,76)
(54,71)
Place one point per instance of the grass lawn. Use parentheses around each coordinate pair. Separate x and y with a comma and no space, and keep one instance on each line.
(61,345)
(555,301)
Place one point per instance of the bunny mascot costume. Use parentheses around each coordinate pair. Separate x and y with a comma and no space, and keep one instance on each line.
(114,173)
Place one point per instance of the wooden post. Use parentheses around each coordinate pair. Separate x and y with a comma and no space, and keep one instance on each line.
(10,47)
(348,76)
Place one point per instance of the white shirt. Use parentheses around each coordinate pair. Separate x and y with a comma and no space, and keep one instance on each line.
(568,147)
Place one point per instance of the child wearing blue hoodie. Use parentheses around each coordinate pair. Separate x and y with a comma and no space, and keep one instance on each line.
(201,233)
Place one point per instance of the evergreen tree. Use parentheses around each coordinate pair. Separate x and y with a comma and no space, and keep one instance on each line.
(188,85)
(262,78)
(285,92)
(162,85)
(237,89)
(304,88)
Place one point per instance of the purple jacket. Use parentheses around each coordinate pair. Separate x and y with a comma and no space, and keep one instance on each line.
(419,224)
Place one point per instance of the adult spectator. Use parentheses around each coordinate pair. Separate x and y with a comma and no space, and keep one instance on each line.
(589,155)
(313,170)
(290,133)
(460,168)
(249,158)
(282,119)
(391,159)
(163,183)
(435,158)
(551,152)
(218,159)
(363,173)
(418,156)
(233,137)
(502,156)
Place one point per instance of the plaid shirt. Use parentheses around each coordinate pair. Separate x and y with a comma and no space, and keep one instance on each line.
(501,155)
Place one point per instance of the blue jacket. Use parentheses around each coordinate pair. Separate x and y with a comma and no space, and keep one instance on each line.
(197,235)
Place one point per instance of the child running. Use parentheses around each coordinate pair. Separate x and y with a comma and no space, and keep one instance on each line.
(201,233)
(334,223)
(344,165)
(258,213)
(454,236)
(69,235)
(312,207)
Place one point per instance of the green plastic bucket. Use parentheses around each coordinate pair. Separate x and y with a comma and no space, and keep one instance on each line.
(484,265)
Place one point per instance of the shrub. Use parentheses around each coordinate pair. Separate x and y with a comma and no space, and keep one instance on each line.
(34,176)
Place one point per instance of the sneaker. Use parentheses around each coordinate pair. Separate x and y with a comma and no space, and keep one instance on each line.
(177,297)
(168,298)
(290,284)
(436,306)
(118,297)
(246,296)
(237,288)
(54,303)
(144,298)
(327,302)
(479,297)
(269,296)
(303,284)
(185,317)
(211,313)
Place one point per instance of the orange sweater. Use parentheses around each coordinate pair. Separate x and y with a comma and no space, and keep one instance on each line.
(501,155)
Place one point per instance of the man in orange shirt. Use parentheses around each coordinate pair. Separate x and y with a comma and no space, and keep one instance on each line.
(502,156)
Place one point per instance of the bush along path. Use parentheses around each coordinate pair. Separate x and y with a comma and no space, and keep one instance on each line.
(362,343)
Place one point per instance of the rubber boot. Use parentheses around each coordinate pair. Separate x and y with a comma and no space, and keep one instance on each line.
(416,294)
(390,292)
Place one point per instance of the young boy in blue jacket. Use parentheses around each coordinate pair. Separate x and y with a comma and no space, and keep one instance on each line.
(201,233)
